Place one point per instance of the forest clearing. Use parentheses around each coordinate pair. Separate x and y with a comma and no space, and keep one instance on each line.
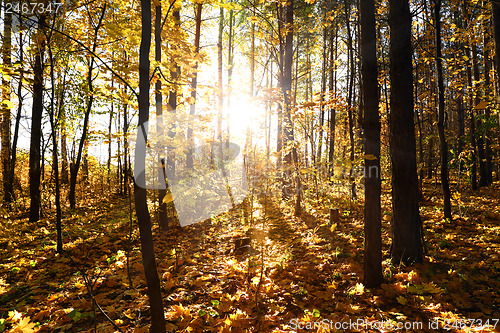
(250,166)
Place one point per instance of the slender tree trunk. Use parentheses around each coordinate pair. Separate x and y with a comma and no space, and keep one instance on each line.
(372,276)
(483,178)
(55,153)
(6,108)
(486,133)
(332,90)
(141,204)
(85,163)
(125,164)
(172,107)
(495,8)
(220,76)
(90,79)
(475,99)
(322,97)
(418,114)
(252,57)
(279,139)
(12,168)
(36,126)
(119,167)
(430,148)
(441,132)
(194,83)
(64,149)
(461,129)
(268,115)
(350,51)
(288,136)
(162,206)
(230,65)
(406,224)
(110,135)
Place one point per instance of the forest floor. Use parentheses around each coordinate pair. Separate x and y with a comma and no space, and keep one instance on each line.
(297,274)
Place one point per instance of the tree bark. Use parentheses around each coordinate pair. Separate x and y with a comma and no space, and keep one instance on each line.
(322,97)
(36,126)
(332,90)
(172,107)
(141,205)
(406,224)
(55,153)
(6,109)
(220,83)
(486,133)
(495,8)
(372,272)
(12,168)
(194,83)
(162,206)
(443,145)
(350,51)
(475,99)
(64,149)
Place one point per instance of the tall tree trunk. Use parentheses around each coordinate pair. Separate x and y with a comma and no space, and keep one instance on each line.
(475,99)
(486,133)
(5,155)
(125,163)
(162,206)
(55,153)
(461,129)
(430,147)
(442,138)
(350,51)
(286,86)
(90,79)
(279,138)
(287,81)
(471,102)
(110,135)
(64,149)
(172,107)
(322,97)
(194,83)
(12,168)
(495,8)
(252,56)
(332,91)
(220,82)
(119,174)
(141,204)
(406,224)
(372,275)
(36,125)
(230,65)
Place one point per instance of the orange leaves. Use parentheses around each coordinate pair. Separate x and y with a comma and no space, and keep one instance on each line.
(20,324)
(178,311)
(24,326)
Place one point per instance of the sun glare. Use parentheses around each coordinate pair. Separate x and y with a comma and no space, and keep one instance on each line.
(245,114)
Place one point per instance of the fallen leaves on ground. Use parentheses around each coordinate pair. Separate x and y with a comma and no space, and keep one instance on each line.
(298,273)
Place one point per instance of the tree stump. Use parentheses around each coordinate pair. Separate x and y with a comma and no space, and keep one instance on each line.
(241,245)
(334,215)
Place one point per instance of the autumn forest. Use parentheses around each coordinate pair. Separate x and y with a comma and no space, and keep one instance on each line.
(250,166)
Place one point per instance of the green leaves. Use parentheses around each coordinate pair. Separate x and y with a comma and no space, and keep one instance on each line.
(75,315)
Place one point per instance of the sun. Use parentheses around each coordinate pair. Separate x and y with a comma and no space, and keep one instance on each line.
(245,115)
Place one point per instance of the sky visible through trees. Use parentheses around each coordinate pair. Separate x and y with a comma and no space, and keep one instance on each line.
(249,166)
